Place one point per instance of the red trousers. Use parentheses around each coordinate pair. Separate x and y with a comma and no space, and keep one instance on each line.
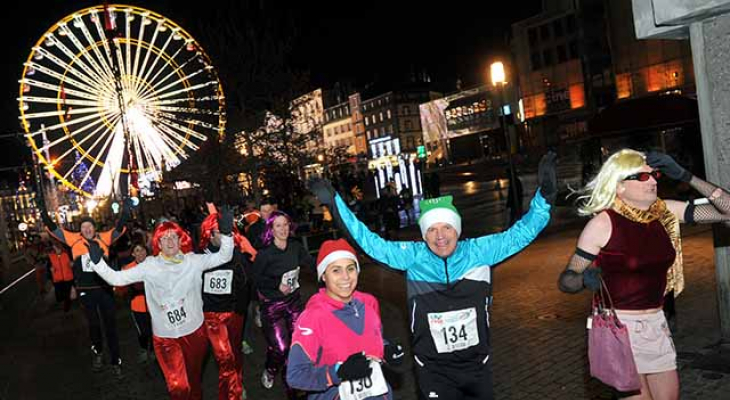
(181,361)
(224,332)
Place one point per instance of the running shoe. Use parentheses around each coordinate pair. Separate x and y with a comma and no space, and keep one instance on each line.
(267,380)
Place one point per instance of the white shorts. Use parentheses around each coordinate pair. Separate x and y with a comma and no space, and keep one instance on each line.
(651,341)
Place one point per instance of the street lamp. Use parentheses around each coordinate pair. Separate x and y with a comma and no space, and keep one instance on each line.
(499,80)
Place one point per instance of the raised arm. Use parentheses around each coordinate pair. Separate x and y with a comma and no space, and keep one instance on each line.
(495,248)
(396,255)
(121,225)
(112,277)
(577,274)
(718,208)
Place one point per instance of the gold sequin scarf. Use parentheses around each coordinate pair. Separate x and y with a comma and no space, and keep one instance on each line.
(659,211)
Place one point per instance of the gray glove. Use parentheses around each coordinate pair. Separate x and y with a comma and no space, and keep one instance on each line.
(225,220)
(324,191)
(666,164)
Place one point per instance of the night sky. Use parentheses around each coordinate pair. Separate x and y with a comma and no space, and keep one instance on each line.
(336,41)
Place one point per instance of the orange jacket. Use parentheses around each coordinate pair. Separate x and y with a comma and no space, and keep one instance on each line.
(139,304)
(77,243)
(60,266)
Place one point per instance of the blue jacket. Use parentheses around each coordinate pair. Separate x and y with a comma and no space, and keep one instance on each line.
(448,298)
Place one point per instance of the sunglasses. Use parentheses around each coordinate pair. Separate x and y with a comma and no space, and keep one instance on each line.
(644,176)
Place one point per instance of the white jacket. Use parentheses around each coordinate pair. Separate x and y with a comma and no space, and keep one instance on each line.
(173,287)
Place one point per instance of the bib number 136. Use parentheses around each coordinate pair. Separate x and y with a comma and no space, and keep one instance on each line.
(373,385)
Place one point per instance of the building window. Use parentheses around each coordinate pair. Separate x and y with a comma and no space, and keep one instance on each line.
(409,125)
(547,57)
(406,110)
(381,116)
(558,28)
(366,121)
(368,134)
(545,32)
(536,60)
(562,54)
(573,49)
(532,36)
(570,24)
(388,114)
(409,143)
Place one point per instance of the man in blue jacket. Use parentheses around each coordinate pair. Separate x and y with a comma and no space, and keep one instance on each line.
(449,284)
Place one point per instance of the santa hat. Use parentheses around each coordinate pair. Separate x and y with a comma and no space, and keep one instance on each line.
(331,251)
(440,209)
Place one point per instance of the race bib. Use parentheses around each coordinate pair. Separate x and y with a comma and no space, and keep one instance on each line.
(176,314)
(359,389)
(218,282)
(86,263)
(454,330)
(291,279)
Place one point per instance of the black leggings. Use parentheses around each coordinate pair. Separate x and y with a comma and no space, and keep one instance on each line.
(468,383)
(98,305)
(143,323)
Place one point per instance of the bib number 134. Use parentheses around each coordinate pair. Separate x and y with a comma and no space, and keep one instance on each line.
(454,330)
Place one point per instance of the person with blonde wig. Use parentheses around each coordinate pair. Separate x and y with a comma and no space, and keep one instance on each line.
(632,242)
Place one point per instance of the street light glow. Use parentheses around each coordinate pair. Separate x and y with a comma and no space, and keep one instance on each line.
(497,73)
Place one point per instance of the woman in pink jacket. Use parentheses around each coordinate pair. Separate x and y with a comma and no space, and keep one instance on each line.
(337,347)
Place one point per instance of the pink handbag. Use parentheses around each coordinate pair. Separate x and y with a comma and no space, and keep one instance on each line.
(609,348)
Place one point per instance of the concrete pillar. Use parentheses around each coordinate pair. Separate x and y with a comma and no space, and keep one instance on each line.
(707,24)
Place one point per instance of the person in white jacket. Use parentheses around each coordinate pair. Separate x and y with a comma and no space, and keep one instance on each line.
(173,285)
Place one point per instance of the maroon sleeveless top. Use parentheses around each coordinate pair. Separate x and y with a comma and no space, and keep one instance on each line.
(635,262)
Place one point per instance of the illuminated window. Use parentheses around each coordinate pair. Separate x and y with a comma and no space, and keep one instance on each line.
(577,96)
(623,86)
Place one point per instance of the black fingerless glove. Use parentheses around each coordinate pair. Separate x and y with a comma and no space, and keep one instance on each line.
(355,367)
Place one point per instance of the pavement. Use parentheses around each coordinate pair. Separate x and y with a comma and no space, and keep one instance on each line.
(538,332)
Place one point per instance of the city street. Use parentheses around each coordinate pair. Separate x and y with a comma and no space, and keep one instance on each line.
(538,332)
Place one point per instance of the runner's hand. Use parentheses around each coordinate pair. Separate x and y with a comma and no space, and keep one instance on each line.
(394,353)
(225,220)
(666,164)
(547,178)
(324,191)
(355,367)
(592,278)
(95,251)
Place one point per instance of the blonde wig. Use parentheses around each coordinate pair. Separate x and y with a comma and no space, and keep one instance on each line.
(600,192)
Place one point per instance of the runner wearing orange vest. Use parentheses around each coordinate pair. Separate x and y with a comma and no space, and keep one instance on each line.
(95,294)
(138,305)
(62,275)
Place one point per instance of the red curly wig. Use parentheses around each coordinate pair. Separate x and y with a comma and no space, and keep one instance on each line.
(186,243)
(210,223)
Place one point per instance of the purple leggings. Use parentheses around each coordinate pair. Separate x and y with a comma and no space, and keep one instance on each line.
(278,318)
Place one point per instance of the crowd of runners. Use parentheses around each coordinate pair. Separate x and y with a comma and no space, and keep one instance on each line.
(191,295)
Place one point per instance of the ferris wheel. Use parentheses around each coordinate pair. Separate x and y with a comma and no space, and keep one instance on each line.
(115,94)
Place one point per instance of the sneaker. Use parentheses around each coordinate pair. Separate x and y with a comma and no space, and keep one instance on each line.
(243,393)
(97,360)
(142,356)
(246,348)
(267,380)
(117,369)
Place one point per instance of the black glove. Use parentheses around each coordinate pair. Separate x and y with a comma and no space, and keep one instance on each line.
(95,251)
(666,164)
(592,278)
(225,220)
(324,191)
(394,353)
(547,178)
(355,367)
